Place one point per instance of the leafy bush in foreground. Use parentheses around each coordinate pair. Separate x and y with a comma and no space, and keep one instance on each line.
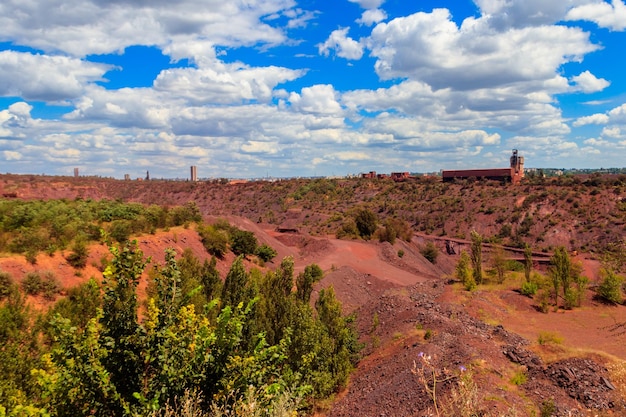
(263,345)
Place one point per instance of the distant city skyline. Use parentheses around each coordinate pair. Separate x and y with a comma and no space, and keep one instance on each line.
(305,88)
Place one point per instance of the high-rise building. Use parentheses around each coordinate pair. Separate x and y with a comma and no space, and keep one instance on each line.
(194,173)
(75,172)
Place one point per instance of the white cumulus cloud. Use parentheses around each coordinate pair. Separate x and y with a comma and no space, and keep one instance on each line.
(343,45)
(611,16)
(595,119)
(44,77)
(372,16)
(430,47)
(589,83)
(320,99)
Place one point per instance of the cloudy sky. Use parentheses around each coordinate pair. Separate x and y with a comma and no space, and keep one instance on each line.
(255,88)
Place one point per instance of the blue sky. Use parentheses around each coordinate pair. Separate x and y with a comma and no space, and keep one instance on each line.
(281,88)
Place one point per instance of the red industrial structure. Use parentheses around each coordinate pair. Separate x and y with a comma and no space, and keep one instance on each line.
(396,176)
(400,176)
(514,173)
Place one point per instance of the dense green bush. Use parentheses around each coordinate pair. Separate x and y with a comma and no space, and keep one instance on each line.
(243,242)
(32,283)
(214,239)
(268,346)
(529,288)
(366,223)
(347,230)
(78,257)
(610,287)
(6,282)
(430,252)
(266,253)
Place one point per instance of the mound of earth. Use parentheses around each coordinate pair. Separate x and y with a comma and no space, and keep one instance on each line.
(414,323)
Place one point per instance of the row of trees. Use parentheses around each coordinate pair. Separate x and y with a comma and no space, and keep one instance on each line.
(564,279)
(249,344)
(221,236)
(363,223)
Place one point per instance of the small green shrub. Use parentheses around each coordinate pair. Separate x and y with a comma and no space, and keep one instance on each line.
(516,266)
(266,253)
(430,252)
(214,238)
(6,282)
(529,288)
(519,378)
(78,257)
(31,257)
(543,299)
(120,230)
(610,287)
(545,338)
(50,286)
(400,253)
(428,334)
(32,283)
(547,408)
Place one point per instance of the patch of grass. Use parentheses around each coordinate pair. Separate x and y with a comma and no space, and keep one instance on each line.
(519,378)
(553,338)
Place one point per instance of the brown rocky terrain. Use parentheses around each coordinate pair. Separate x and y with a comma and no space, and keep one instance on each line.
(522,362)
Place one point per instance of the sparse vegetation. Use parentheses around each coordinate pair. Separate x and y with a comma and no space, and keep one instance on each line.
(430,252)
(545,338)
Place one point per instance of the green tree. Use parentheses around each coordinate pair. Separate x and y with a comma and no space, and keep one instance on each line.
(499,263)
(347,229)
(430,252)
(80,305)
(19,351)
(366,223)
(276,303)
(266,253)
(477,257)
(119,319)
(563,274)
(234,289)
(338,343)
(174,351)
(215,240)
(559,271)
(305,280)
(210,279)
(120,230)
(463,271)
(243,242)
(610,287)
(78,257)
(528,262)
(6,283)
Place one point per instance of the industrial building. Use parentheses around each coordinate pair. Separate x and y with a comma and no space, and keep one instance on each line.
(513,174)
